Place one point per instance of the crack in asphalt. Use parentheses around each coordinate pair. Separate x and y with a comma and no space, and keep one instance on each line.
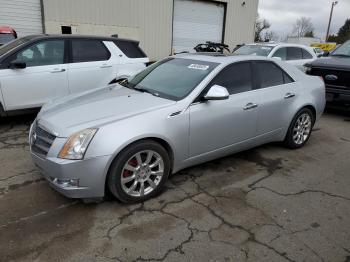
(300,192)
(270,165)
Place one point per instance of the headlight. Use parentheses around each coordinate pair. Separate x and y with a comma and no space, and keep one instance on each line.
(77,144)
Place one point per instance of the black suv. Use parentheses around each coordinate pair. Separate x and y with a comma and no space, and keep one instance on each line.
(335,71)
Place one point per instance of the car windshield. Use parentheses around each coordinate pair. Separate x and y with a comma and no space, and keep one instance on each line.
(259,50)
(343,50)
(13,44)
(5,38)
(172,78)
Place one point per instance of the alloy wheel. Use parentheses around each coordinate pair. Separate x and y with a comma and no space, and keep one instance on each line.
(302,129)
(142,173)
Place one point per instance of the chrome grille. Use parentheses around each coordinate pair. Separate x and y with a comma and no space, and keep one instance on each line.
(41,140)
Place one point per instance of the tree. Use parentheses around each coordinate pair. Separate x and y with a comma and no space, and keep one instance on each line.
(302,27)
(344,32)
(309,34)
(271,36)
(260,26)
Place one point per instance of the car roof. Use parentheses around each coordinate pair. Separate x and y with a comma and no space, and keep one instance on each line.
(279,44)
(220,58)
(69,36)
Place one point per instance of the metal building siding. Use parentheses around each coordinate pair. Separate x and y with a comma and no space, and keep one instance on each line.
(23,15)
(240,22)
(148,21)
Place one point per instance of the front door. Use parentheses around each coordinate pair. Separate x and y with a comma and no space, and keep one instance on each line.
(223,123)
(43,79)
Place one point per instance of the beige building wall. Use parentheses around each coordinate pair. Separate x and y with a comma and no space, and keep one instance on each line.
(148,21)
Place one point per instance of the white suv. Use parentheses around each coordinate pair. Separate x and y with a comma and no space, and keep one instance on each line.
(297,55)
(39,68)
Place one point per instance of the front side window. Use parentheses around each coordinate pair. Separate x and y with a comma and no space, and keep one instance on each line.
(89,50)
(294,53)
(281,53)
(172,78)
(236,78)
(259,50)
(269,74)
(49,52)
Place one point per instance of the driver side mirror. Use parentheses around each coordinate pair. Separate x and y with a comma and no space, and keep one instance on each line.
(217,92)
(17,65)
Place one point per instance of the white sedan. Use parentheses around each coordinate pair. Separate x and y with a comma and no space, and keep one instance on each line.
(297,55)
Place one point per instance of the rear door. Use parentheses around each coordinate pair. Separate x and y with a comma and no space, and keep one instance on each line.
(90,65)
(43,79)
(223,123)
(278,93)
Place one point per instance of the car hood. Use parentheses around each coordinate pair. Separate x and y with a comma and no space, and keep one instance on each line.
(332,63)
(73,113)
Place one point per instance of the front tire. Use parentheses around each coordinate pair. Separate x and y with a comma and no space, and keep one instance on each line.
(300,129)
(139,172)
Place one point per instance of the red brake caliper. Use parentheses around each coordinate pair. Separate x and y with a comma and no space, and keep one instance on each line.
(132,162)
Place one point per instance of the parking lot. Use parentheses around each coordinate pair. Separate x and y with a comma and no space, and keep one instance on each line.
(266,204)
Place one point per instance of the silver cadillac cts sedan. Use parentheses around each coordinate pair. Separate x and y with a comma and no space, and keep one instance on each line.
(129,137)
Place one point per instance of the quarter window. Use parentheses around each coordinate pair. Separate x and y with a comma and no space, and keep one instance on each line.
(86,50)
(294,53)
(269,74)
(44,53)
(306,54)
(130,48)
(237,78)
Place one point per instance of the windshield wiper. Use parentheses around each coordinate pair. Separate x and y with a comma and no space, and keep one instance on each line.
(144,90)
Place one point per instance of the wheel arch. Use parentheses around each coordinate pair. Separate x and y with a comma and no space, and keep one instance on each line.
(165,144)
(312,109)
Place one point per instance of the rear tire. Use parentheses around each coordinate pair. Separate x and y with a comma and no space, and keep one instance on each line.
(139,172)
(300,129)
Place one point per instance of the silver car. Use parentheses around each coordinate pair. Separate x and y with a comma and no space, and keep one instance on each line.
(128,138)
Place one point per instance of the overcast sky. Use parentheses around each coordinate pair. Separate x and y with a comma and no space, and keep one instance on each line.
(283,13)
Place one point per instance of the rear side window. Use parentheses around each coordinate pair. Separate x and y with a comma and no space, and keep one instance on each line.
(306,54)
(294,53)
(269,74)
(237,78)
(130,48)
(88,50)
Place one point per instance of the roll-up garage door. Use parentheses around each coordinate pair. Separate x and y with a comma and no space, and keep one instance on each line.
(22,15)
(196,22)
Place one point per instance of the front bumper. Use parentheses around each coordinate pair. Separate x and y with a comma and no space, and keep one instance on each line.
(337,96)
(90,175)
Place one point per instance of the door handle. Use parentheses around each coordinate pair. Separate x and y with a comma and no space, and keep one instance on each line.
(105,66)
(289,95)
(58,70)
(250,106)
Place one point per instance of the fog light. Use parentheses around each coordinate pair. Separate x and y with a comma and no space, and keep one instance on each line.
(64,183)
